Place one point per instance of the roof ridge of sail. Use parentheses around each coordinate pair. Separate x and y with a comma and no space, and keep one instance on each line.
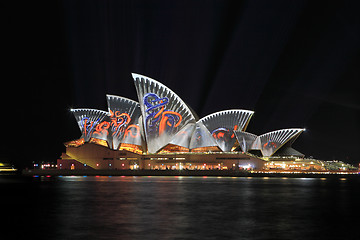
(116,96)
(225,111)
(284,129)
(272,141)
(88,109)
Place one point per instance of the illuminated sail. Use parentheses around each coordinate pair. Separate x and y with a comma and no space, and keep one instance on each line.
(133,133)
(270,142)
(163,112)
(88,120)
(124,125)
(223,124)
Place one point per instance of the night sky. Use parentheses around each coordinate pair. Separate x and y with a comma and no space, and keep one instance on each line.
(295,63)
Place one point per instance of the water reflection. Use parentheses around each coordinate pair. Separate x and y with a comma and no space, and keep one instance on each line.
(102,207)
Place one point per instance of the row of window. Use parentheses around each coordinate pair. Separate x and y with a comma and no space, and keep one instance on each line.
(120,158)
(180,158)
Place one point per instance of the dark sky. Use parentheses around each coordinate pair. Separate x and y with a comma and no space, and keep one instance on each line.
(295,63)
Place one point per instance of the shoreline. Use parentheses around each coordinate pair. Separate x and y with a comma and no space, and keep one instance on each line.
(214,173)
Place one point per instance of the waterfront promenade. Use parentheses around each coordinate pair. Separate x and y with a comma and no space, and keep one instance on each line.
(215,173)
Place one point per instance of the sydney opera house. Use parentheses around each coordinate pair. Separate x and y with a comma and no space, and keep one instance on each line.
(161,131)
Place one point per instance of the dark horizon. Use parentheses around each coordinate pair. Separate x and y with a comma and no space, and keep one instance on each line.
(296,64)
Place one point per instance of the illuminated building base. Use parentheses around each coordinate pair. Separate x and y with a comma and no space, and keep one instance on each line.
(94,156)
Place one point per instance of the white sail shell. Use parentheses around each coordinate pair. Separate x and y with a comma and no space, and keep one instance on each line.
(222,125)
(270,142)
(88,120)
(164,113)
(124,121)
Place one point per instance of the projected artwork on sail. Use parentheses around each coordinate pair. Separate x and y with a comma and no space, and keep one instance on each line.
(164,113)
(88,121)
(124,116)
(223,124)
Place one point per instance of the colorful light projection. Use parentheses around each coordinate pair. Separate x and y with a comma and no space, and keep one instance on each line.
(132,131)
(223,124)
(88,120)
(159,119)
(224,133)
(112,128)
(270,142)
(124,118)
(119,125)
(164,113)
(88,126)
(118,122)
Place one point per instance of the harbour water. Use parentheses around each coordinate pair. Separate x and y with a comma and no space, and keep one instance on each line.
(106,207)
